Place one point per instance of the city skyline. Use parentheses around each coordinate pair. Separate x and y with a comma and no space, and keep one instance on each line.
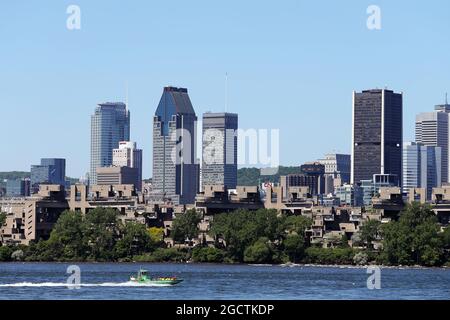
(71,71)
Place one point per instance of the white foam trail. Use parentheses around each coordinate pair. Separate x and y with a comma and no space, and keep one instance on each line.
(62,284)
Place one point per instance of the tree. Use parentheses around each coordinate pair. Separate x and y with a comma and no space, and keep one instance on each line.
(17,255)
(344,241)
(445,241)
(414,239)
(297,224)
(294,246)
(207,254)
(66,240)
(156,235)
(259,252)
(2,218)
(5,253)
(445,238)
(242,228)
(185,226)
(101,230)
(135,240)
(369,232)
(361,258)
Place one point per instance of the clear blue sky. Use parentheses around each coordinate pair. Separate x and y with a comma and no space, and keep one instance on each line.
(292,65)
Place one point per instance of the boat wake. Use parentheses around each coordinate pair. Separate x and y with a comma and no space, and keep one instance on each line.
(62,284)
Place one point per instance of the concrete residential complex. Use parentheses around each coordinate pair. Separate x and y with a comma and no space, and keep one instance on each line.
(432,129)
(50,171)
(110,124)
(127,155)
(219,147)
(377,135)
(174,133)
(421,167)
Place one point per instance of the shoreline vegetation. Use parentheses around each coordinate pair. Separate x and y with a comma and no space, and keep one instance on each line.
(261,237)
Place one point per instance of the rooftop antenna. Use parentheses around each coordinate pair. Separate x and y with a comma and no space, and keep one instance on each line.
(126,95)
(226,91)
(446,101)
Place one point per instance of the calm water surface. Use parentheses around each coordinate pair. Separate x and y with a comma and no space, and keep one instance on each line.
(110,281)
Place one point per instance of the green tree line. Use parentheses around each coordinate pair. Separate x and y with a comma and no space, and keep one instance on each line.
(253,177)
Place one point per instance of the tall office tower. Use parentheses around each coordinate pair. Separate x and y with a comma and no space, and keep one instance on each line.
(110,124)
(175,171)
(421,167)
(127,155)
(51,170)
(432,130)
(219,162)
(377,134)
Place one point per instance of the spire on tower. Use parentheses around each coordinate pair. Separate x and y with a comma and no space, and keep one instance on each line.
(126,95)
(226,91)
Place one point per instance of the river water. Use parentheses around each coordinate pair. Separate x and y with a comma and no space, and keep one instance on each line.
(203,281)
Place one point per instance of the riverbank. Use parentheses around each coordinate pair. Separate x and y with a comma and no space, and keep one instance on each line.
(281,265)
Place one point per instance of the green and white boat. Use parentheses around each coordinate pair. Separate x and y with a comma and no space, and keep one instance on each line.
(143,278)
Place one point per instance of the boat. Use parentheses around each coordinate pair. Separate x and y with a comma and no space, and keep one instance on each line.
(143,278)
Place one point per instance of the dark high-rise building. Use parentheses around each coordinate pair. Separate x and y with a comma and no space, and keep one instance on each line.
(175,168)
(313,169)
(51,171)
(377,134)
(110,124)
(18,188)
(312,175)
(219,165)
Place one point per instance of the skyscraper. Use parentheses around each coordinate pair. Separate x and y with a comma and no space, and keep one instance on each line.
(127,155)
(219,147)
(432,130)
(51,170)
(377,134)
(110,124)
(175,171)
(421,167)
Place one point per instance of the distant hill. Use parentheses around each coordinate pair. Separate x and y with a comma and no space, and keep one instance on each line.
(253,177)
(246,176)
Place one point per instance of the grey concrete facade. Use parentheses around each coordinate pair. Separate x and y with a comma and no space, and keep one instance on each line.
(219,147)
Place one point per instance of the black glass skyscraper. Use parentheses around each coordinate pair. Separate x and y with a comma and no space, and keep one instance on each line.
(50,170)
(377,134)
